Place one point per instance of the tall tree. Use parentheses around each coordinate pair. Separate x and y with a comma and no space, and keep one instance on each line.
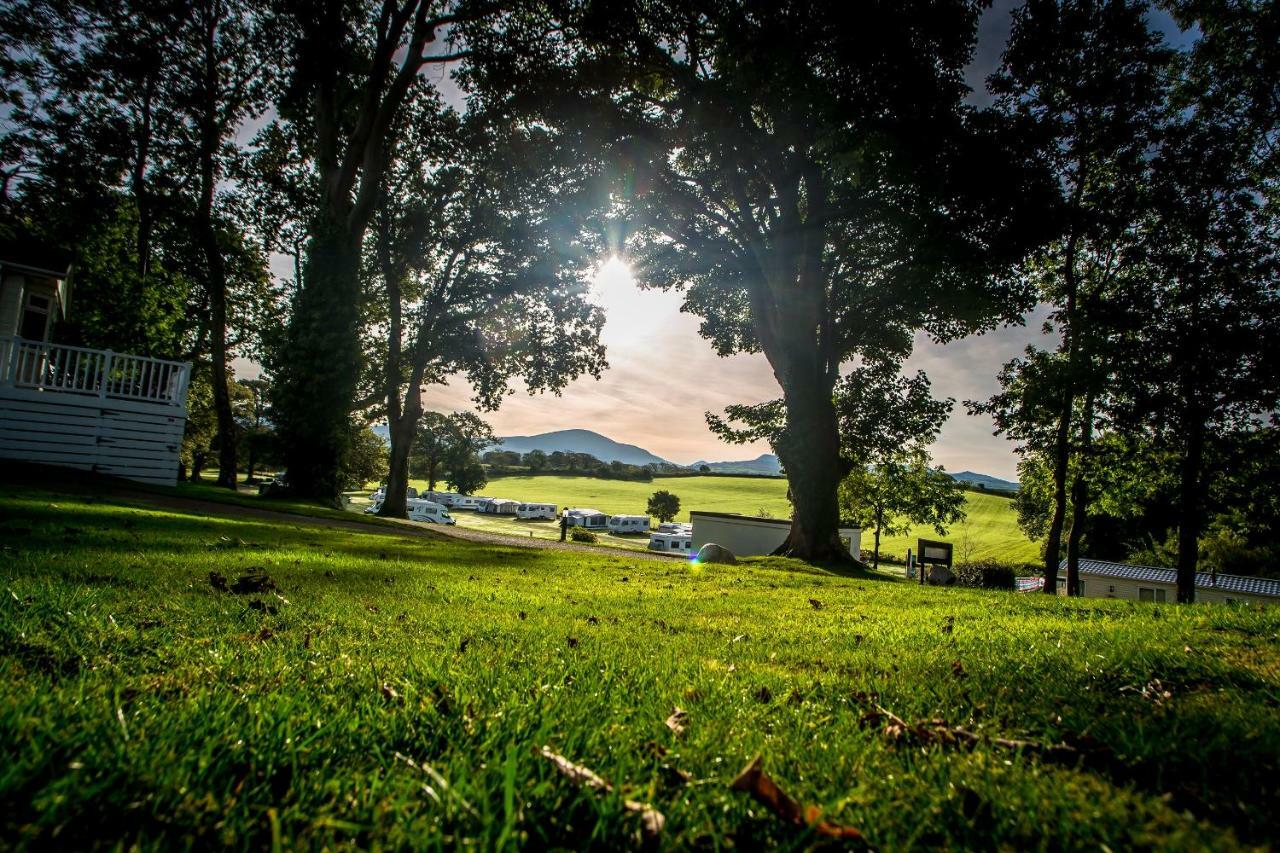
(443,441)
(476,270)
(1089,76)
(796,177)
(353,65)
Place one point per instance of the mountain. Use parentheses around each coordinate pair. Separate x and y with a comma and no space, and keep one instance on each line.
(766,464)
(985,481)
(580,441)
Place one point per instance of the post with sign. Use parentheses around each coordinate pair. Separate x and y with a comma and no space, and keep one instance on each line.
(930,554)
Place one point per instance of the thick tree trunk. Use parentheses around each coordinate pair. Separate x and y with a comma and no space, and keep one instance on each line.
(875,553)
(395,505)
(810,452)
(1079,499)
(320,366)
(1190,511)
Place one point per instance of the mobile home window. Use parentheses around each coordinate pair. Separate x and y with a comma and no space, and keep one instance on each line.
(1146,594)
(35,318)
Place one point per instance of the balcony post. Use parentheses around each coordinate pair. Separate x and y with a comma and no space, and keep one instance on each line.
(106,375)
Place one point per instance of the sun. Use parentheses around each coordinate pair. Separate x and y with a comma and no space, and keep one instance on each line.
(612,276)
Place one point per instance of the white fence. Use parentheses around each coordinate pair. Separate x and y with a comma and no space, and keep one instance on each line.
(92,372)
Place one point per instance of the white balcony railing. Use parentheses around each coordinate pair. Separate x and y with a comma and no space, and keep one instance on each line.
(92,372)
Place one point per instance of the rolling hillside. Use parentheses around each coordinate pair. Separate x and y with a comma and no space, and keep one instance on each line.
(580,441)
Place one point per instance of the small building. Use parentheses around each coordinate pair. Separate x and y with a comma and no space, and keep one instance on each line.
(591,519)
(680,543)
(1103,579)
(749,535)
(624,524)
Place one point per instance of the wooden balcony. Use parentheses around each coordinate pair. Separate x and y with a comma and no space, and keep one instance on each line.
(94,410)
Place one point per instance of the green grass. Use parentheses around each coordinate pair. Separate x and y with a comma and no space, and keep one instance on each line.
(397,695)
(991,531)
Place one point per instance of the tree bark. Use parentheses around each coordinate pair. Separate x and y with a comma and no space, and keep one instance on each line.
(215,267)
(1190,509)
(394,504)
(809,448)
(875,554)
(1079,498)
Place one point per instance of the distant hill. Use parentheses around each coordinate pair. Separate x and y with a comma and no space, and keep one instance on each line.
(765,463)
(581,441)
(985,481)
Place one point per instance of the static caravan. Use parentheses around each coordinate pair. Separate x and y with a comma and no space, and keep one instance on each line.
(443,498)
(468,502)
(592,519)
(680,543)
(1103,579)
(546,512)
(430,512)
(499,506)
(675,527)
(628,524)
(751,536)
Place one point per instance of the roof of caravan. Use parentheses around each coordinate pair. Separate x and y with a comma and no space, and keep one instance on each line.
(1157,574)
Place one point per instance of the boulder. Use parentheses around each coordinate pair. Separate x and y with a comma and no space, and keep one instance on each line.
(713,553)
(940,576)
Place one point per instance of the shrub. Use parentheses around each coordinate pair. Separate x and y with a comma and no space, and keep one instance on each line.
(583,536)
(984,574)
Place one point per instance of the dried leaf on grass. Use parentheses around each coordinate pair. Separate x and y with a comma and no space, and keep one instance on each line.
(651,820)
(678,720)
(218,581)
(815,604)
(937,731)
(755,782)
(253,582)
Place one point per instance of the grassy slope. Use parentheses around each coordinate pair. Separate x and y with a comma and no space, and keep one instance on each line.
(992,528)
(139,704)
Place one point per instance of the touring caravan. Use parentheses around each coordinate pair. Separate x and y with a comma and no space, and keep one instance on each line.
(592,519)
(628,524)
(546,512)
(679,543)
(430,512)
(468,502)
(443,498)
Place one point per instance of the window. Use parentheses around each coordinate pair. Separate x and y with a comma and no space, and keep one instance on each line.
(35,318)
(1147,594)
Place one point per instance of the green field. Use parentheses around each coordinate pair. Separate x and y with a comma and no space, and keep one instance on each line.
(991,531)
(398,692)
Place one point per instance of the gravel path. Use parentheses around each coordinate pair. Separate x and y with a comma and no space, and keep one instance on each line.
(401,527)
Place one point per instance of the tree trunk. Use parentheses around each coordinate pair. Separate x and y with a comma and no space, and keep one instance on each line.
(875,553)
(810,451)
(1190,514)
(1061,461)
(1079,499)
(394,504)
(320,365)
(215,268)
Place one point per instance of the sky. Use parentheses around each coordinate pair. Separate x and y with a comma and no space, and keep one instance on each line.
(663,377)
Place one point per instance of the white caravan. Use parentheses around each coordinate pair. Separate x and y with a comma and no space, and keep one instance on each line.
(547,512)
(675,527)
(430,512)
(499,506)
(628,524)
(679,543)
(443,498)
(468,502)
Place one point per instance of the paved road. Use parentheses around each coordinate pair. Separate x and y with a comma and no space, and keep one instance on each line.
(358,525)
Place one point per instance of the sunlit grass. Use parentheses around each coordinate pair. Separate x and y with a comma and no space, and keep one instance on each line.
(142,706)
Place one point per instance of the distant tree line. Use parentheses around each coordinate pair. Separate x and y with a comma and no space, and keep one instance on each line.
(566,463)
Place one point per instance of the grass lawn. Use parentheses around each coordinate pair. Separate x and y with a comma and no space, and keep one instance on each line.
(991,531)
(395,692)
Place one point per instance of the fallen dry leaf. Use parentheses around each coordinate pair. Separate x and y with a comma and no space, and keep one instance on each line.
(815,603)
(754,781)
(390,693)
(678,720)
(651,820)
(218,581)
(253,582)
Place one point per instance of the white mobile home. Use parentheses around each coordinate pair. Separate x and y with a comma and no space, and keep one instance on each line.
(748,535)
(430,512)
(546,512)
(443,498)
(680,543)
(675,527)
(468,502)
(628,524)
(592,519)
(1103,579)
